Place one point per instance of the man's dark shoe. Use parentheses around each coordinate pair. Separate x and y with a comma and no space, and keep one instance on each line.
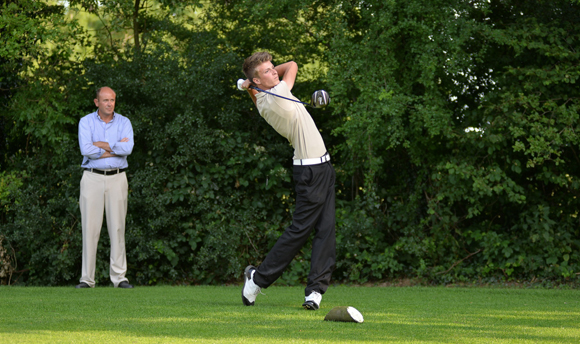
(125,285)
(82,285)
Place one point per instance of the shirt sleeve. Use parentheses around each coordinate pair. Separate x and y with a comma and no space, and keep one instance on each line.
(123,148)
(88,149)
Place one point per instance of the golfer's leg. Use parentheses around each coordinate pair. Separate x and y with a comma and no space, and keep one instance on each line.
(116,210)
(308,208)
(323,260)
(91,203)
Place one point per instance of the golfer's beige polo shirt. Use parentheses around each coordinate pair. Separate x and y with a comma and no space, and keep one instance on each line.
(291,120)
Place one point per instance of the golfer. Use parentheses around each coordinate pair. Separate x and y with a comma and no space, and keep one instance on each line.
(105,139)
(313,176)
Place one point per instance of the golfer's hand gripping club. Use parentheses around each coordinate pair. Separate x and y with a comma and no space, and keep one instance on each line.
(241,85)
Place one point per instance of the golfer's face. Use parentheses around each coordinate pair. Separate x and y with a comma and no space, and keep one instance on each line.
(106,102)
(268,75)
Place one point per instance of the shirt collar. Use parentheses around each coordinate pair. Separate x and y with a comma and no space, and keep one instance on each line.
(100,119)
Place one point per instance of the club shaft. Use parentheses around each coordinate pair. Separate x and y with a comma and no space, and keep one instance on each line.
(274,94)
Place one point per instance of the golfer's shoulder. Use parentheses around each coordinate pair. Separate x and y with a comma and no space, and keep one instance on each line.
(282,86)
(283,90)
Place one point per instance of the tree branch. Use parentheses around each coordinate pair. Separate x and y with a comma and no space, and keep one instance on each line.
(458,262)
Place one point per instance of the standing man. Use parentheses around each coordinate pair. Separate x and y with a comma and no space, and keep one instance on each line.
(313,175)
(105,139)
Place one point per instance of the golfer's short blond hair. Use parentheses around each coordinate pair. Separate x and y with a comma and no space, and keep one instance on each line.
(250,67)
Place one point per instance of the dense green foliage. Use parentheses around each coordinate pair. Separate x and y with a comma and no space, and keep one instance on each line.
(462,119)
(453,130)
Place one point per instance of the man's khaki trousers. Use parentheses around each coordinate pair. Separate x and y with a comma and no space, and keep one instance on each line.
(109,194)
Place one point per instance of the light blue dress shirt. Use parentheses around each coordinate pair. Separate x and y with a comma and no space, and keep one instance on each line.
(92,129)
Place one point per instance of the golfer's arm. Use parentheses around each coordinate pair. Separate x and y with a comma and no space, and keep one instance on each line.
(287,71)
(252,94)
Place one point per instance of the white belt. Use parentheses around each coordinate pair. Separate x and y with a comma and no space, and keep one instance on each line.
(313,161)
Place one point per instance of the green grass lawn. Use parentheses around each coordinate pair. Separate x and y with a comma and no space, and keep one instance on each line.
(206,314)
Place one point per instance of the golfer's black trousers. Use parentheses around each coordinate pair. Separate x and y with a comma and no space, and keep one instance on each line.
(314,211)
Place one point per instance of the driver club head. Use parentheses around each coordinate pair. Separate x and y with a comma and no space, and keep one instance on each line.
(320,99)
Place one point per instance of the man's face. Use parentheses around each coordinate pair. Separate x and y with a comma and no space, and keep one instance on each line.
(106,102)
(267,76)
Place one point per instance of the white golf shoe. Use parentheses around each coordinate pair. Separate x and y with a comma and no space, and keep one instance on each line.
(312,301)
(251,289)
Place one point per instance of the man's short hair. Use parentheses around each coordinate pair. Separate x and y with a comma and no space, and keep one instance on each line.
(251,64)
(99,91)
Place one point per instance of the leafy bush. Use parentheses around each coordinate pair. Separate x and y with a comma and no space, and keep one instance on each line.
(453,130)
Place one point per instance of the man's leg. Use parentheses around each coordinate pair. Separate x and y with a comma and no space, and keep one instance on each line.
(323,260)
(92,205)
(116,209)
(310,199)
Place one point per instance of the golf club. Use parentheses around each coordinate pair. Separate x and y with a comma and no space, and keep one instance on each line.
(320,98)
